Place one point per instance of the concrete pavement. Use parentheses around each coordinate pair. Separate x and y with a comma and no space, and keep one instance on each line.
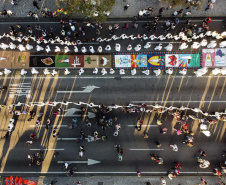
(117,10)
(123,180)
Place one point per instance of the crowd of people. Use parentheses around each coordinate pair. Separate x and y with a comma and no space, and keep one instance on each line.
(75,35)
(105,119)
(182,127)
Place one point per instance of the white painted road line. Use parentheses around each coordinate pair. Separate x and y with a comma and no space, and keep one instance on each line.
(110,77)
(50,126)
(179,101)
(87,89)
(144,21)
(143,125)
(18,88)
(67,139)
(89,139)
(88,162)
(18,84)
(144,149)
(46,149)
(123,172)
(166,42)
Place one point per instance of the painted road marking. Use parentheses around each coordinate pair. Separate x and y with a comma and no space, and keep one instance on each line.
(19,90)
(71,113)
(144,149)
(143,125)
(108,21)
(123,172)
(87,89)
(80,44)
(88,162)
(46,149)
(201,101)
(112,77)
(89,139)
(49,126)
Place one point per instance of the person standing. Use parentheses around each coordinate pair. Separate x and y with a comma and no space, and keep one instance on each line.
(35,4)
(138,174)
(203,181)
(161,10)
(210,6)
(163,181)
(126,7)
(52,182)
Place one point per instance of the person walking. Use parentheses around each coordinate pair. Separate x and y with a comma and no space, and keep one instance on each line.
(55,133)
(174,147)
(210,6)
(53,182)
(126,26)
(81,150)
(180,11)
(35,4)
(135,25)
(203,181)
(161,10)
(126,7)
(163,181)
(48,124)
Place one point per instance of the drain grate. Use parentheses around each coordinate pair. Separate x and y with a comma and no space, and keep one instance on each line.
(100,183)
(123,1)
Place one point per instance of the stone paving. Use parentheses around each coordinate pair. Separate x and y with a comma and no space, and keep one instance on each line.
(117,11)
(124,180)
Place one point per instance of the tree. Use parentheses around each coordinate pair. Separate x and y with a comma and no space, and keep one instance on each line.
(94,9)
(175,3)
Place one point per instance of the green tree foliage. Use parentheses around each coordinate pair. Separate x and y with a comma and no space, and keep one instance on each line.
(93,9)
(175,3)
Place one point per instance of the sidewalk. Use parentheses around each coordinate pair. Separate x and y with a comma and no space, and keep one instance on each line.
(123,180)
(117,10)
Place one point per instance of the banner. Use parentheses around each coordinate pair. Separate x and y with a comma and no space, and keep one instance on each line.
(189,60)
(138,60)
(42,61)
(220,57)
(122,61)
(208,57)
(156,60)
(74,61)
(171,60)
(14,59)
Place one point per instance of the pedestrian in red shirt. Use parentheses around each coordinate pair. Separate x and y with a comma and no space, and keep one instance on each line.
(126,26)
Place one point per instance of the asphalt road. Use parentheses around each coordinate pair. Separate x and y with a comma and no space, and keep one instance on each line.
(207,93)
(216,24)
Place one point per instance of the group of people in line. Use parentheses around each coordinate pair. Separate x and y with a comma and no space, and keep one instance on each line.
(68,35)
